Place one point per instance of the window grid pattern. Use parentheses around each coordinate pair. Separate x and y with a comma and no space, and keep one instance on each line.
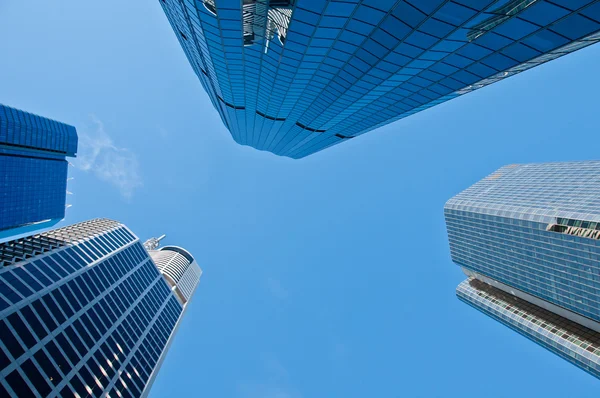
(79,312)
(17,250)
(573,342)
(33,167)
(21,129)
(501,227)
(539,192)
(345,68)
(20,283)
(32,190)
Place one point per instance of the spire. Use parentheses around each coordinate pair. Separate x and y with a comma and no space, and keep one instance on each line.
(153,243)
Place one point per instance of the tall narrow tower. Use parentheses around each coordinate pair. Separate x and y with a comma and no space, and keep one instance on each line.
(182,273)
(84,311)
(33,167)
(528,238)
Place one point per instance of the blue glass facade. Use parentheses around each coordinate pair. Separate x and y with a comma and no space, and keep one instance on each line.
(84,311)
(504,227)
(295,77)
(534,228)
(33,150)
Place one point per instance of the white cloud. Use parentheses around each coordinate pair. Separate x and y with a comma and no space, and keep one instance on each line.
(99,155)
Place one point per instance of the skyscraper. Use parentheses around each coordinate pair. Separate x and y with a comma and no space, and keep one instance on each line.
(84,310)
(33,167)
(528,238)
(294,77)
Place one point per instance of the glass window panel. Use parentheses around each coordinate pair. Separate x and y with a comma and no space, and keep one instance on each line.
(18,384)
(35,377)
(21,330)
(10,342)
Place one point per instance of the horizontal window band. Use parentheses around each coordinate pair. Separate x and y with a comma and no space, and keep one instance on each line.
(308,128)
(569,222)
(231,105)
(9,144)
(575,231)
(14,155)
(278,119)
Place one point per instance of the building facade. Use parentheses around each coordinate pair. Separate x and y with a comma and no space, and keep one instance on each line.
(84,311)
(33,166)
(528,238)
(294,77)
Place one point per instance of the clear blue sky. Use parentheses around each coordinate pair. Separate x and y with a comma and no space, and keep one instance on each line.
(328,276)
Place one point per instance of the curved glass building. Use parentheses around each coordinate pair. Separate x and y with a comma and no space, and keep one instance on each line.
(179,269)
(294,77)
(85,311)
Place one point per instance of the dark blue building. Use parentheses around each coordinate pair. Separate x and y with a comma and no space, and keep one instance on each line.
(33,170)
(87,311)
(295,77)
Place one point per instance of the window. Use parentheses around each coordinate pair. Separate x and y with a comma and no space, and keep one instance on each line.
(76,340)
(68,350)
(48,367)
(19,385)
(44,315)
(21,330)
(78,386)
(70,297)
(67,392)
(43,268)
(62,261)
(24,275)
(34,322)
(83,333)
(62,303)
(36,378)
(12,280)
(4,361)
(90,326)
(9,340)
(87,378)
(54,266)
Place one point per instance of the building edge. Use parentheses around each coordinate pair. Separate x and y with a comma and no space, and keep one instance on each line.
(569,340)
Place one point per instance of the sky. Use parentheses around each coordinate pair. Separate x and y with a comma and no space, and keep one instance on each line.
(328,276)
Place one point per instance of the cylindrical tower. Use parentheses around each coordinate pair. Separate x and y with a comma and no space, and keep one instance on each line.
(179,269)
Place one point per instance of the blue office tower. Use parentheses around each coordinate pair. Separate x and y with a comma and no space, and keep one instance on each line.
(294,77)
(33,167)
(88,311)
(528,238)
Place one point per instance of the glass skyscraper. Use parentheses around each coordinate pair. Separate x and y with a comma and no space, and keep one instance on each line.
(85,311)
(294,77)
(33,167)
(528,238)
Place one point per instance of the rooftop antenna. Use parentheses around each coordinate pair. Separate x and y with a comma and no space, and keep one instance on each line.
(153,243)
